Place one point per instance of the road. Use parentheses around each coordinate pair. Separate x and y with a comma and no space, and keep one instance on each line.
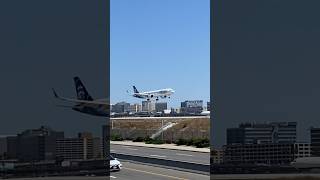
(301,176)
(133,171)
(177,155)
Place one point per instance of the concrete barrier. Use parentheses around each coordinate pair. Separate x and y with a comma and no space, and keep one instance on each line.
(179,165)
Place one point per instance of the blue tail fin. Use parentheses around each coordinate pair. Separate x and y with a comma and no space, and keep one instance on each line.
(82,93)
(135,90)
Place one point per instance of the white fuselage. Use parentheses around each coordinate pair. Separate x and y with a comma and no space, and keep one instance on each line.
(162,93)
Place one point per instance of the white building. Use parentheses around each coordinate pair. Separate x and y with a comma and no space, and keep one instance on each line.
(135,108)
(148,106)
(302,150)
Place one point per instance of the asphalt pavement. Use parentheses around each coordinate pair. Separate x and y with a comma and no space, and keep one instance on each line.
(168,154)
(134,171)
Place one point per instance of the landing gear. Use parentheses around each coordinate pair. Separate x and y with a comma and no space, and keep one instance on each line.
(157,99)
(148,99)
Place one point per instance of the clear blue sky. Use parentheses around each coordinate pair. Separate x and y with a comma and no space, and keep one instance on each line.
(158,44)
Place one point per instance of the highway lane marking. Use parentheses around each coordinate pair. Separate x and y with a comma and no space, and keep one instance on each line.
(154,155)
(180,154)
(111,150)
(113,177)
(132,149)
(157,174)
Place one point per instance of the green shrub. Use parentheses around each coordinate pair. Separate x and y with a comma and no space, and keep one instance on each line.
(138,139)
(181,142)
(148,140)
(199,143)
(116,137)
(190,142)
(157,141)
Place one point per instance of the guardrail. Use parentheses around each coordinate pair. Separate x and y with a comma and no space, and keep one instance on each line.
(173,164)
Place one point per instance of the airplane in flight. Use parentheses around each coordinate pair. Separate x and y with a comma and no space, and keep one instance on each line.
(84,102)
(162,93)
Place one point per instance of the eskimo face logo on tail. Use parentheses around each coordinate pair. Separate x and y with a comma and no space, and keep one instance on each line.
(81,94)
(81,90)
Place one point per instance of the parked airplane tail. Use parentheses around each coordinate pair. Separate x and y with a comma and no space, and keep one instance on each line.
(135,90)
(82,93)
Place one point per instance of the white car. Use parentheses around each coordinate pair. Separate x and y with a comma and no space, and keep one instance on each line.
(115,164)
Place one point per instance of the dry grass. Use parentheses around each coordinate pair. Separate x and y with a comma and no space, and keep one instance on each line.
(193,128)
(198,127)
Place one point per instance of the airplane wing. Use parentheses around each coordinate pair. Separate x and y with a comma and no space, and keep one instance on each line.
(77,100)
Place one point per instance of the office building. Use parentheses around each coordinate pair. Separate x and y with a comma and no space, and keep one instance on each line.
(12,147)
(145,105)
(121,107)
(148,106)
(93,145)
(315,141)
(160,106)
(216,156)
(84,147)
(97,148)
(3,147)
(37,144)
(260,133)
(175,110)
(71,149)
(111,107)
(134,108)
(105,140)
(192,107)
(270,154)
(302,150)
(8,147)
(208,106)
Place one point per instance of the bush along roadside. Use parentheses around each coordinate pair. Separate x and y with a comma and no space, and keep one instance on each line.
(148,140)
(116,137)
(138,139)
(199,142)
(196,142)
